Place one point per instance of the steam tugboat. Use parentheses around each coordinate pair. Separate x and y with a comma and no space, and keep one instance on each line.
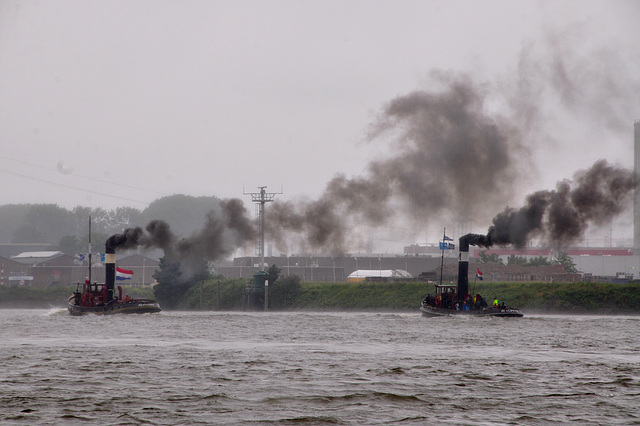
(94,299)
(445,301)
(100,299)
(455,299)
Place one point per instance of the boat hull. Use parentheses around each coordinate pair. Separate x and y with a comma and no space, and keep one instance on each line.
(142,306)
(432,311)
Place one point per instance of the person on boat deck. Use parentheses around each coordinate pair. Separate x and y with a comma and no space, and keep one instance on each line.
(495,301)
(446,301)
(127,298)
(468,301)
(465,306)
(481,303)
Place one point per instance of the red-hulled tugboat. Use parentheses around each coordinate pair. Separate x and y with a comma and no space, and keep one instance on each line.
(94,298)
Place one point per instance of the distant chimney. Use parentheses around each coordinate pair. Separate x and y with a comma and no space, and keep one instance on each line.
(636,194)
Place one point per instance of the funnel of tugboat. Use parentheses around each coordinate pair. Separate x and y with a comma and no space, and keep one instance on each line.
(109,270)
(463,267)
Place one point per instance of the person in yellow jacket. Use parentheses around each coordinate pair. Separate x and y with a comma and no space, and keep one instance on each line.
(495,301)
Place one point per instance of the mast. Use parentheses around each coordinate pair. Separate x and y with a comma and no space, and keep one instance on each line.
(260,198)
(90,249)
(444,235)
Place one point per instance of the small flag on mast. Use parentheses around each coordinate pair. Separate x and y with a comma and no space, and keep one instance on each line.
(479,274)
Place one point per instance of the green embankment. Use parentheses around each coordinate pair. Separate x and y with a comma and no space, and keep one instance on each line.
(534,297)
(227,294)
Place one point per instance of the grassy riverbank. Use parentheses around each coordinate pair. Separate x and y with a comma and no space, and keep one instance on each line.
(226,294)
(540,297)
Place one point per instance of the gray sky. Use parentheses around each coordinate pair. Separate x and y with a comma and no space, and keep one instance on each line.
(114,103)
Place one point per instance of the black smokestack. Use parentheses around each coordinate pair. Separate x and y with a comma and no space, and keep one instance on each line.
(109,270)
(225,229)
(463,268)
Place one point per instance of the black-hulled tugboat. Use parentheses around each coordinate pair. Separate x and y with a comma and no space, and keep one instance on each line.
(446,302)
(455,299)
(94,298)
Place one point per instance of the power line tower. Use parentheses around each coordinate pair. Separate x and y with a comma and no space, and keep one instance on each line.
(261,198)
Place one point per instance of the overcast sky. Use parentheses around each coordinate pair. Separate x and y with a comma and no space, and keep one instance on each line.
(117,103)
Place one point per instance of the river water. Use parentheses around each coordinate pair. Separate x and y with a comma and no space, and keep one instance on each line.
(317,368)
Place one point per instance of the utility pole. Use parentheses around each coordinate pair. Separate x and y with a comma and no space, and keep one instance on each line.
(261,198)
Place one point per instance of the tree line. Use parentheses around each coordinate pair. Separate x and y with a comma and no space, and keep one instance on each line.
(68,230)
(561,258)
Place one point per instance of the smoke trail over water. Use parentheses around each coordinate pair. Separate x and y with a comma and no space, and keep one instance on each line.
(223,232)
(454,156)
(448,155)
(562,216)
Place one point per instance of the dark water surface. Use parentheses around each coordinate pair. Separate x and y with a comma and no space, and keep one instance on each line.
(317,368)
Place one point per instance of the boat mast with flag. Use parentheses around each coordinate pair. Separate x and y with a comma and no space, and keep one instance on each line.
(445,245)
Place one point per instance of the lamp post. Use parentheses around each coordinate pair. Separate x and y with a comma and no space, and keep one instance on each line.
(333,259)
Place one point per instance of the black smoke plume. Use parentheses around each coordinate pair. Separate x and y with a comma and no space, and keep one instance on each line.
(223,232)
(561,216)
(453,154)
(449,155)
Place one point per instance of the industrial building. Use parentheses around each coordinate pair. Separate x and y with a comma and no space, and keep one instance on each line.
(44,269)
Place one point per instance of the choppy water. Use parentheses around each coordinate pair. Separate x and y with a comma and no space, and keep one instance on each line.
(317,368)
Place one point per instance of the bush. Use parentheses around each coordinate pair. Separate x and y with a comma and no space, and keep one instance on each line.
(217,293)
(285,292)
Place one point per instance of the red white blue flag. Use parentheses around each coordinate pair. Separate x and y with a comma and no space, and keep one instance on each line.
(479,274)
(123,274)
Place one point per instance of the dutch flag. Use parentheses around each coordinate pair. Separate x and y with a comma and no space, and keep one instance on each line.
(479,274)
(123,274)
